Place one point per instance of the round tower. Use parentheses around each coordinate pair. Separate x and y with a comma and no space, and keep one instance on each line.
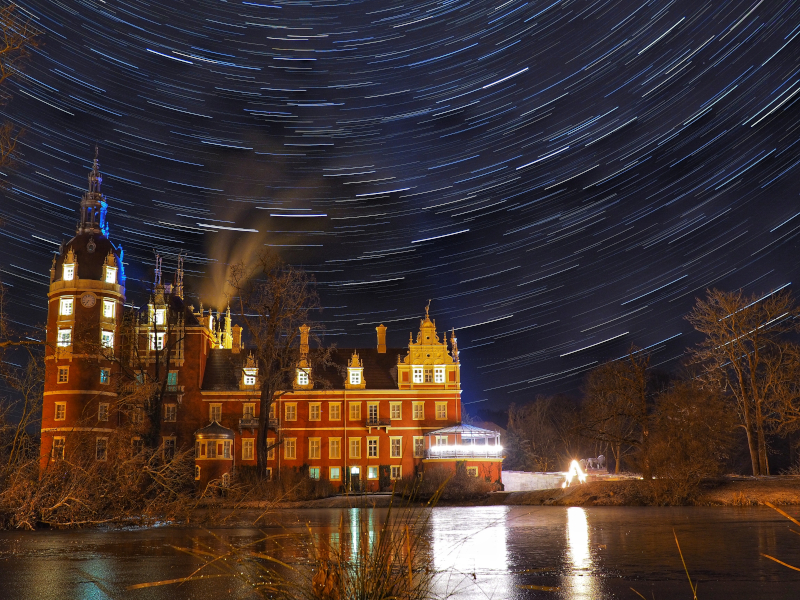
(85,302)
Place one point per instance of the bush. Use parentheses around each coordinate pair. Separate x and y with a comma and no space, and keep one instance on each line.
(450,486)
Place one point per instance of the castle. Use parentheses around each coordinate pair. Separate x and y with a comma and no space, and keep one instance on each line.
(385,414)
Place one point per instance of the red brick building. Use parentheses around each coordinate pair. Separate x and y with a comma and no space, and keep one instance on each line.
(385,413)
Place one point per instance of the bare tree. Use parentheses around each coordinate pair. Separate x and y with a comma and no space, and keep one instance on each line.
(274,300)
(745,355)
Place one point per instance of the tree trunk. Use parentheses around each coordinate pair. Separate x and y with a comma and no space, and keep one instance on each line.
(265,402)
(617,458)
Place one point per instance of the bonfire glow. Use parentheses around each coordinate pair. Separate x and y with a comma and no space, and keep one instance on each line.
(574,470)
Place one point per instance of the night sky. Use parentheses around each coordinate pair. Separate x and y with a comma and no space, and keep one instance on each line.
(562,179)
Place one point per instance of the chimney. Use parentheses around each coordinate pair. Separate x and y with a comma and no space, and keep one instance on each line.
(304,329)
(381,329)
(236,342)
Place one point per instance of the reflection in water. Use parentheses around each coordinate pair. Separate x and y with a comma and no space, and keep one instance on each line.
(579,583)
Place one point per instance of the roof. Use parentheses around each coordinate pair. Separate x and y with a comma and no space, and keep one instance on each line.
(215,431)
(466,430)
(91,250)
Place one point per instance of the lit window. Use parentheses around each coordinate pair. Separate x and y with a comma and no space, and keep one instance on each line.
(160,316)
(172,381)
(111,275)
(355,448)
(105,375)
(63,374)
(334,448)
(313,472)
(291,411)
(250,376)
(395,410)
(355,377)
(102,411)
(419,411)
(157,341)
(211,449)
(108,309)
(335,474)
(396,472)
(247,449)
(197,472)
(65,308)
(302,377)
(472,471)
(419,447)
(170,412)
(215,412)
(396,447)
(64,337)
(58,448)
(61,411)
(355,411)
(249,411)
(334,411)
(169,448)
(101,449)
(107,339)
(69,272)
(314,411)
(417,374)
(441,410)
(438,375)
(372,472)
(372,448)
(290,448)
(313,448)
(226,449)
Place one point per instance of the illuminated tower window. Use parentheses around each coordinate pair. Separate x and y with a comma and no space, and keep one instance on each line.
(65,308)
(69,272)
(108,309)
(64,337)
(111,275)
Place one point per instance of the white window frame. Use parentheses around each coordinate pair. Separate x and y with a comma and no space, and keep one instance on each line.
(302,377)
(290,448)
(64,338)
(249,376)
(417,374)
(107,338)
(438,375)
(66,307)
(395,411)
(354,447)
(60,411)
(314,448)
(63,371)
(398,442)
(419,446)
(354,376)
(290,411)
(109,307)
(68,273)
(441,411)
(334,411)
(248,448)
(354,411)
(418,410)
(373,446)
(396,472)
(428,377)
(215,409)
(373,472)
(157,340)
(110,275)
(335,448)
(315,411)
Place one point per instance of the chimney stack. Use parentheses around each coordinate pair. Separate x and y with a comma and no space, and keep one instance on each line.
(381,329)
(304,329)
(236,342)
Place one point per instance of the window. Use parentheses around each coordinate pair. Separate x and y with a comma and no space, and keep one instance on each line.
(105,375)
(249,411)
(428,375)
(419,446)
(290,448)
(272,411)
(226,449)
(101,449)
(250,376)
(417,375)
(197,472)
(61,411)
(169,448)
(215,412)
(108,309)
(160,316)
(355,411)
(172,381)
(441,410)
(63,374)
(64,337)
(268,473)
(314,448)
(197,451)
(65,308)
(396,472)
(441,440)
(313,472)
(69,272)
(58,448)
(102,411)
(472,471)
(395,410)
(372,447)
(211,449)
(107,339)
(139,378)
(419,411)
(396,446)
(334,411)
(157,341)
(314,412)
(111,275)
(137,415)
(355,447)
(355,377)
(302,377)
(334,447)
(372,413)
(247,449)
(336,474)
(170,412)
(438,375)
(271,451)
(137,446)
(226,479)
(372,472)
(291,411)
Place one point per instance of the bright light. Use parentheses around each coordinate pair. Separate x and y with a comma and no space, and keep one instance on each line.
(467,449)
(574,469)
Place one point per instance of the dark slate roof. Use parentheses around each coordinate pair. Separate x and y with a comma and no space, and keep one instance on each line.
(224,368)
(215,431)
(90,264)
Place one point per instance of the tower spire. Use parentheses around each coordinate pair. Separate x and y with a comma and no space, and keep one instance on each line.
(93,204)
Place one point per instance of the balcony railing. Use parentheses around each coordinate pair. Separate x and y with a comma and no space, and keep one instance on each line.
(464,451)
(375,422)
(248,423)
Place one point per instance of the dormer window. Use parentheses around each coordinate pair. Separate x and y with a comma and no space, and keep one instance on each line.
(355,376)
(160,316)
(418,374)
(111,275)
(250,376)
(69,272)
(302,376)
(438,375)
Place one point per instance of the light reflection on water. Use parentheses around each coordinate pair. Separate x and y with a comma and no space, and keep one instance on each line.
(579,583)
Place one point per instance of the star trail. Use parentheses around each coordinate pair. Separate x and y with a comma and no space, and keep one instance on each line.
(562,179)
